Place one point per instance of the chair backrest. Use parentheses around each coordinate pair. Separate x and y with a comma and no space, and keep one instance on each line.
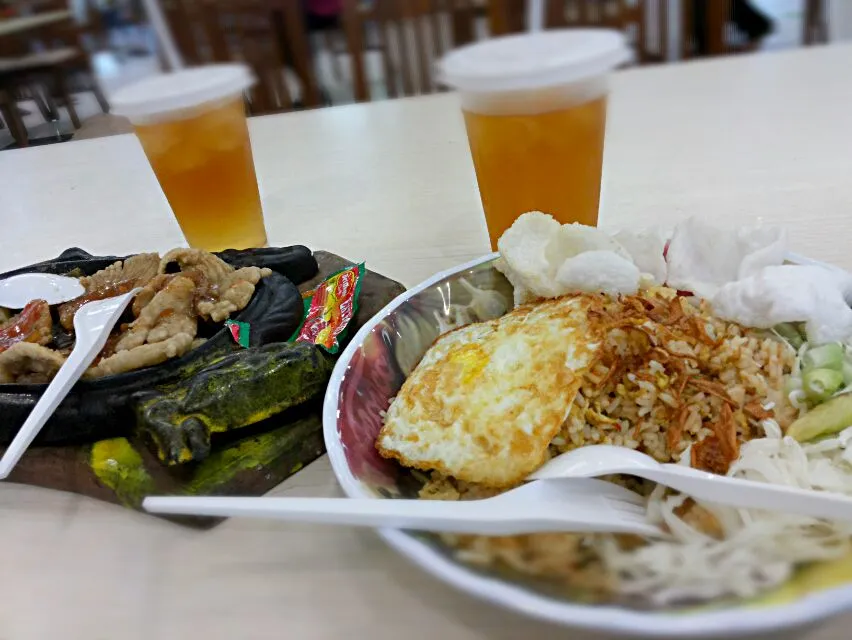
(60,33)
(267,35)
(710,27)
(182,18)
(507,16)
(815,23)
(704,27)
(409,35)
(92,23)
(639,19)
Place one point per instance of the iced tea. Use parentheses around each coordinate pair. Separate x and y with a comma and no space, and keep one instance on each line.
(547,162)
(204,164)
(535,110)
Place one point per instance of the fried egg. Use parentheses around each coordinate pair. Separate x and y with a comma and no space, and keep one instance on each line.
(486,399)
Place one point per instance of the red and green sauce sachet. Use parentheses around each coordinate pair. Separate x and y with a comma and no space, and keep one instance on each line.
(330,307)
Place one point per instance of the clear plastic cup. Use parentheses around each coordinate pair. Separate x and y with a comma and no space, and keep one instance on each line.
(535,110)
(192,126)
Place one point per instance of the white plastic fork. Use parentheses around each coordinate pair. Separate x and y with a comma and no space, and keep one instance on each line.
(92,325)
(600,460)
(547,505)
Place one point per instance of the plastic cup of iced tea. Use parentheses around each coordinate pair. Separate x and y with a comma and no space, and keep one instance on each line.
(192,127)
(534,107)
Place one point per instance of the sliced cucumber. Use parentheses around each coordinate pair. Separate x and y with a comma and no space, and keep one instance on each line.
(826,419)
(820,384)
(827,356)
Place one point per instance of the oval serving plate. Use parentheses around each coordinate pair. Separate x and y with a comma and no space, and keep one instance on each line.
(370,372)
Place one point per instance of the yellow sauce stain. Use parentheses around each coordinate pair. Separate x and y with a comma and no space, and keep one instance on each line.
(223,426)
(261,414)
(214,426)
(811,579)
(119,467)
(806,581)
(254,453)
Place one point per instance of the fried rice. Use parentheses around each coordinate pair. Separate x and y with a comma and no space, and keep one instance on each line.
(671,380)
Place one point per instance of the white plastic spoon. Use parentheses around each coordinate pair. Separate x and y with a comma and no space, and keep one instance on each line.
(17,291)
(601,460)
(92,325)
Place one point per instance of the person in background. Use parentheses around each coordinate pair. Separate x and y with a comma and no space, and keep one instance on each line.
(747,18)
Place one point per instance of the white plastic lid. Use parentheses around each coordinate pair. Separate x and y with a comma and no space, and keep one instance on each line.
(533,60)
(179,90)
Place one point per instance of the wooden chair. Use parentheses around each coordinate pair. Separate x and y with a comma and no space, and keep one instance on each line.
(67,69)
(11,116)
(12,47)
(715,17)
(815,23)
(93,28)
(507,16)
(42,77)
(267,35)
(53,72)
(184,20)
(410,35)
(633,18)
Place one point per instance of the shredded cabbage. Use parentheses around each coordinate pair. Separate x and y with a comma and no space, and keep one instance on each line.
(759,549)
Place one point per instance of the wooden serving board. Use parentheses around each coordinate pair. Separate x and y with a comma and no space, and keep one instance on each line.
(247,462)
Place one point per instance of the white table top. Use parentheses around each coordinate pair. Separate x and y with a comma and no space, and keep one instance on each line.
(9,26)
(764,136)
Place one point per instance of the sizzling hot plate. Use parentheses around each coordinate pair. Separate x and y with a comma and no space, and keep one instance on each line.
(103,408)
